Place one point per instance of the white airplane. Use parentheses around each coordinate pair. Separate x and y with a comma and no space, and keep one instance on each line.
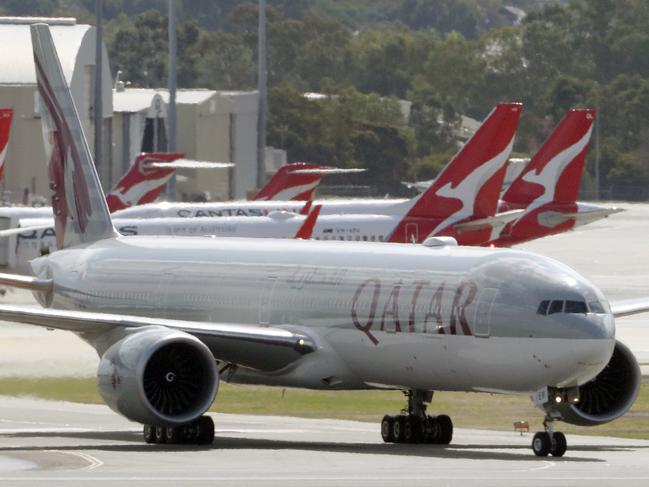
(171,317)
(461,204)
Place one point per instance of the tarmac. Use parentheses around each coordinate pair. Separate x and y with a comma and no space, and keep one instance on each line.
(73,444)
(57,443)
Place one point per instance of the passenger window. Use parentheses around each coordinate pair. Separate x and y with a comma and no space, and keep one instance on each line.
(556,307)
(364,238)
(543,307)
(596,307)
(576,307)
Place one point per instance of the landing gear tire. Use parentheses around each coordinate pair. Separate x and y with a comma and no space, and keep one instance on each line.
(541,444)
(412,429)
(160,434)
(198,432)
(445,429)
(148,433)
(398,427)
(559,444)
(386,429)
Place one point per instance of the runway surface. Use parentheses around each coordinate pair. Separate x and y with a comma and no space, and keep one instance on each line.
(55,443)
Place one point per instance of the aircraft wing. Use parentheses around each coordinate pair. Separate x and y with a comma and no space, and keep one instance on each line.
(628,307)
(260,347)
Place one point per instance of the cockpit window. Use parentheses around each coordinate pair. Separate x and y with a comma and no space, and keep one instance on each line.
(576,307)
(555,307)
(543,307)
(596,307)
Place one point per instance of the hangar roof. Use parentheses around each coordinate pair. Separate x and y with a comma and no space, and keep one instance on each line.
(16,51)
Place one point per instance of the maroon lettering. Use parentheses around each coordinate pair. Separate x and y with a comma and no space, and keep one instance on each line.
(413,304)
(435,310)
(391,308)
(458,310)
(370,318)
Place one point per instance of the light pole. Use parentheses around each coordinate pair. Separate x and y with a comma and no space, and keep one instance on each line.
(171,112)
(99,109)
(261,89)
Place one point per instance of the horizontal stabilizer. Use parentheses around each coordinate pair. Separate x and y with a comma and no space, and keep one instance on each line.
(628,307)
(26,282)
(329,170)
(554,218)
(187,164)
(497,221)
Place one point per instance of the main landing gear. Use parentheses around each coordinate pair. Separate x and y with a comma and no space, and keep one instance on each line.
(549,442)
(413,425)
(198,432)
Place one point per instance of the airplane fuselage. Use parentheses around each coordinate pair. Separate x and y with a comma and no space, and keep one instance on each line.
(405,316)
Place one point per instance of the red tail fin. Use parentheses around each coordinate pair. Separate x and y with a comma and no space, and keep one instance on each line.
(6,115)
(289,184)
(470,183)
(141,184)
(555,171)
(306,230)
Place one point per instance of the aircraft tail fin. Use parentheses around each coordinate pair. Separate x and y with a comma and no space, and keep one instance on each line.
(142,183)
(555,171)
(469,185)
(6,115)
(298,181)
(306,230)
(80,211)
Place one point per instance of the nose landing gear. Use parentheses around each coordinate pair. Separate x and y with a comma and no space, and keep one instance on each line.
(549,442)
(413,425)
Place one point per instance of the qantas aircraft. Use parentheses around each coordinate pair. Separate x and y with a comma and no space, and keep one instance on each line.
(461,204)
(172,316)
(6,115)
(547,188)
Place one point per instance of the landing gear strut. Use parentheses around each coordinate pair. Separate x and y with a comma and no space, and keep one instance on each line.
(198,432)
(413,425)
(549,442)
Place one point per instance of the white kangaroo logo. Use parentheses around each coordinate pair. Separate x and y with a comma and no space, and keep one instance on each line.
(467,190)
(549,175)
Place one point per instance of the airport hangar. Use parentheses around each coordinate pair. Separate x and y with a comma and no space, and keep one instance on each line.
(212,125)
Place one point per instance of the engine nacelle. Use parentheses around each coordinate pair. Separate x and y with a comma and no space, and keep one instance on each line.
(158,376)
(605,398)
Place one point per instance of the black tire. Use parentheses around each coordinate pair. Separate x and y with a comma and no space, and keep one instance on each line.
(148,434)
(541,444)
(445,429)
(160,434)
(386,429)
(173,435)
(411,429)
(431,432)
(398,426)
(205,426)
(559,444)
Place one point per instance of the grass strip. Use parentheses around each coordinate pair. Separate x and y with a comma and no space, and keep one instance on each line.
(468,410)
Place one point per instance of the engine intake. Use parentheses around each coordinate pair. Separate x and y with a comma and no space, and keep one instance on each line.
(158,376)
(608,396)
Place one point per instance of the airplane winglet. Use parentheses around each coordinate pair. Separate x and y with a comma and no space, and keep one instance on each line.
(306,230)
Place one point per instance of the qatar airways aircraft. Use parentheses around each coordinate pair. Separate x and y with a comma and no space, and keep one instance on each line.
(461,204)
(548,187)
(172,316)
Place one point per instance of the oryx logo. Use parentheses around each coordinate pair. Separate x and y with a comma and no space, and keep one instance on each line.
(548,176)
(467,190)
(65,168)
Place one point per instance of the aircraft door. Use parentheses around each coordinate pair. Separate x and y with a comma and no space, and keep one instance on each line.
(266,299)
(483,312)
(412,233)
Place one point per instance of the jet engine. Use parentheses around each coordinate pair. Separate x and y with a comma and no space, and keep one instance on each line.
(158,376)
(605,398)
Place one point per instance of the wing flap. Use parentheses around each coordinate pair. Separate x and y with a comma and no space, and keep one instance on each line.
(259,347)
